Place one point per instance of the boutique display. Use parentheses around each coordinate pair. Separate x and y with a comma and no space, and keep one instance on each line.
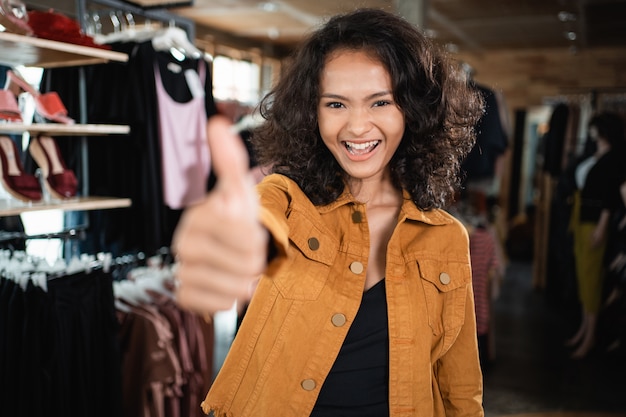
(98,336)
(159,165)
(94,335)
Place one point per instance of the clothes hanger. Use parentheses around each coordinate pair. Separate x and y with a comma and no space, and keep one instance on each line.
(126,30)
(157,276)
(174,40)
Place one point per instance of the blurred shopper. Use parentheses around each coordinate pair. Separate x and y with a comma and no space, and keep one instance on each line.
(597,179)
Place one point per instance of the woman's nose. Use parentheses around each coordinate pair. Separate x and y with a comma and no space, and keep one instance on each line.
(359,122)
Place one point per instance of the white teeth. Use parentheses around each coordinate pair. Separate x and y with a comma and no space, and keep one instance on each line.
(362,146)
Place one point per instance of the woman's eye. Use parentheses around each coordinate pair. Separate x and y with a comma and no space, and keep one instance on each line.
(334,105)
(381,103)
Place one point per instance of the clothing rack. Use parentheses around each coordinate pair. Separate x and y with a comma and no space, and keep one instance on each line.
(73,233)
(570,98)
(161,15)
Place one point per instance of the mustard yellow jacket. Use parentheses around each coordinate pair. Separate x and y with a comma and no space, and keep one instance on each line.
(307,299)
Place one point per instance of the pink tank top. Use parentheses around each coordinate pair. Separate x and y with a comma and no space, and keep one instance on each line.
(185,159)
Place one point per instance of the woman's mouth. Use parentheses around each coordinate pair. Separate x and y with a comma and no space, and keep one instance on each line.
(361,148)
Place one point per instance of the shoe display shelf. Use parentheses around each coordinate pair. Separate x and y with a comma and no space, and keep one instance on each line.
(13,208)
(43,53)
(55,129)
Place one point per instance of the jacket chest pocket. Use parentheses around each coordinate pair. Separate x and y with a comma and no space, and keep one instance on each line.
(311,254)
(445,289)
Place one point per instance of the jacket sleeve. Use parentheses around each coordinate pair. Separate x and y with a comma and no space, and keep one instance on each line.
(274,200)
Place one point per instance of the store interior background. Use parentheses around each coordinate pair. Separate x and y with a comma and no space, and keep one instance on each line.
(535,53)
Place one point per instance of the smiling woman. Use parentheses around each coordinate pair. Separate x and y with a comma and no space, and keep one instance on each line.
(363,302)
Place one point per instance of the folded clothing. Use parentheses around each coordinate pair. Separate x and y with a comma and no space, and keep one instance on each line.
(58,27)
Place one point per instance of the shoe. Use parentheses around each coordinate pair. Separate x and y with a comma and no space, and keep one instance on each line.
(60,182)
(9,109)
(14,17)
(48,106)
(16,183)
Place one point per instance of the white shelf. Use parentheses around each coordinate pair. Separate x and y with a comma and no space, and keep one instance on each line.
(44,53)
(57,129)
(14,207)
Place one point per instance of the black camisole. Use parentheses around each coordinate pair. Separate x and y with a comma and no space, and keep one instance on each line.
(357,384)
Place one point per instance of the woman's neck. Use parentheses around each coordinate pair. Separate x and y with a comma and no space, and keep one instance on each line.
(376,192)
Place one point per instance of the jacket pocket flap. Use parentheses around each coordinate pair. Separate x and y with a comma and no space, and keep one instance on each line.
(446,276)
(314,243)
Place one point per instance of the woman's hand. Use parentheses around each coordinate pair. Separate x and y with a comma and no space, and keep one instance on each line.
(598,236)
(220,245)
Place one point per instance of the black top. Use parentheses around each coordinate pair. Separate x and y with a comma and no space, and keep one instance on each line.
(601,188)
(357,384)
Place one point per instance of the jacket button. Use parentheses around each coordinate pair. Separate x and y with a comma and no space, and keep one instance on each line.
(308,384)
(338,320)
(314,244)
(444,278)
(357,217)
(356,267)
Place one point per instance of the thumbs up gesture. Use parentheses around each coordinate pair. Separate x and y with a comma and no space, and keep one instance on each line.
(221,246)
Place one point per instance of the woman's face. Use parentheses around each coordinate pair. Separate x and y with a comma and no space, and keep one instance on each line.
(358,119)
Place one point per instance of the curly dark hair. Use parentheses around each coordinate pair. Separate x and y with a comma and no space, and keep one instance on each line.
(440,110)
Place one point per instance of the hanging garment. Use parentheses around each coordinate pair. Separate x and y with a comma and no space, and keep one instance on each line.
(182,134)
(124,93)
(59,351)
(491,139)
(167,355)
(486,265)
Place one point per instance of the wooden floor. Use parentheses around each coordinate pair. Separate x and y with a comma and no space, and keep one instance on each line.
(532,374)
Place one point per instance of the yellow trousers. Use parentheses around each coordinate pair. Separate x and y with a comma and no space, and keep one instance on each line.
(589,261)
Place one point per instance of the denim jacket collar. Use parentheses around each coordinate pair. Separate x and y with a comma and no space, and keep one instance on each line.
(409,210)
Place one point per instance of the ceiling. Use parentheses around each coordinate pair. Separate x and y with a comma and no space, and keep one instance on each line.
(470,26)
(462,25)
(527,49)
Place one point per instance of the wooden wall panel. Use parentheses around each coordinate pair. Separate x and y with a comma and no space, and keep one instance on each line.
(527,77)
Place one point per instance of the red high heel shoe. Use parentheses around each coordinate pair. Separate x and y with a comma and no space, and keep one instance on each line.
(60,182)
(9,110)
(48,106)
(18,184)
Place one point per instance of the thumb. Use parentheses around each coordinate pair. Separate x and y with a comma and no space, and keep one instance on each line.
(229,157)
